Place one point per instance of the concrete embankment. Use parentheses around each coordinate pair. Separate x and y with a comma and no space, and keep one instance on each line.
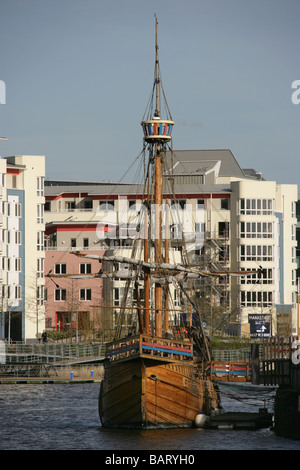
(50,373)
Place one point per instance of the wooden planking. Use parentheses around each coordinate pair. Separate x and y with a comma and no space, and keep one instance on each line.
(143,391)
(121,394)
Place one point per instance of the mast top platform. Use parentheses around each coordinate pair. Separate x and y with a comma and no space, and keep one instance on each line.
(157,130)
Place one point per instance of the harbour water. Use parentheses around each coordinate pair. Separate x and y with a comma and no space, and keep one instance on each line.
(65,417)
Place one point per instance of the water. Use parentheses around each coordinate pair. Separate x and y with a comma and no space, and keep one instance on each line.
(65,417)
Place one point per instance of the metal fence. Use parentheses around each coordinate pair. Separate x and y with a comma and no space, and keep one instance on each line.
(51,352)
(62,352)
(233,355)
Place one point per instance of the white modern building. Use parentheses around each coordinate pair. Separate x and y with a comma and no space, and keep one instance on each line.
(22,247)
(236,221)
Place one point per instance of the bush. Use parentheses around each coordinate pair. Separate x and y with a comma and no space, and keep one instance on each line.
(231,343)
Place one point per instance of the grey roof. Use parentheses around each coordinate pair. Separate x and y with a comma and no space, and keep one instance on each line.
(131,190)
(183,161)
(49,182)
(253,174)
(100,189)
(198,167)
(229,165)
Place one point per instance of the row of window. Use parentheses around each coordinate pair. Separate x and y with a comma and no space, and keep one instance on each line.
(110,205)
(12,264)
(256,299)
(256,206)
(256,230)
(264,276)
(84,268)
(256,253)
(261,253)
(14,209)
(60,295)
(11,292)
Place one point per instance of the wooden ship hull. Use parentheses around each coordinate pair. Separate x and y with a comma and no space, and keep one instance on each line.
(153,382)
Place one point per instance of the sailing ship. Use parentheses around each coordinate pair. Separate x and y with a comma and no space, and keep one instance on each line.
(157,377)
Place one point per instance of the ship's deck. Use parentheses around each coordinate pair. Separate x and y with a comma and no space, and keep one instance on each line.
(168,349)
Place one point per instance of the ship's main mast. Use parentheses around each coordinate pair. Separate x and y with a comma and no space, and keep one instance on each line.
(157,132)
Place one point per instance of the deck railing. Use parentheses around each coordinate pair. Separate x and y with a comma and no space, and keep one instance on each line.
(149,346)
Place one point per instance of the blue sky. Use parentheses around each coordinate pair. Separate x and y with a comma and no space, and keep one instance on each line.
(78,75)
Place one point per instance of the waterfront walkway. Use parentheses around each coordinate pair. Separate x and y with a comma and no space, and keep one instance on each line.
(45,380)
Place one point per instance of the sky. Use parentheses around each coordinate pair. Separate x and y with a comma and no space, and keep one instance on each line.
(78,75)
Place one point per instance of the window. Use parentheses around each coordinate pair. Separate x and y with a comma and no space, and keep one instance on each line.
(200,204)
(18,209)
(40,186)
(60,268)
(73,242)
(176,231)
(40,213)
(177,299)
(225,203)
(85,268)
(256,207)
(256,299)
(17,237)
(106,205)
(179,202)
(116,296)
(85,242)
(224,229)
(256,230)
(60,295)
(18,264)
(199,227)
(40,241)
(18,292)
(85,294)
(40,267)
(14,237)
(256,253)
(48,206)
(293,254)
(70,205)
(88,203)
(40,295)
(264,276)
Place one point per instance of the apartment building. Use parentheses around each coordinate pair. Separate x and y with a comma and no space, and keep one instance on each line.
(232,219)
(22,247)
